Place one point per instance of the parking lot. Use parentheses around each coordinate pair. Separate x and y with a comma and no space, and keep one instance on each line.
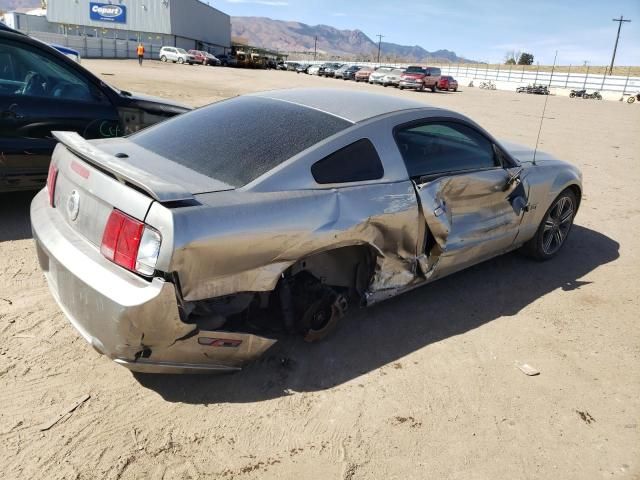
(425,385)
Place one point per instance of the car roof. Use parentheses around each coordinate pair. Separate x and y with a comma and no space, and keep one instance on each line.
(351,106)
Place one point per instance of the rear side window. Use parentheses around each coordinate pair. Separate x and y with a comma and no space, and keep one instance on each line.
(237,140)
(357,162)
(434,72)
(444,147)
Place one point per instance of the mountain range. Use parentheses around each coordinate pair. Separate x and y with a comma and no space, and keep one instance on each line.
(299,38)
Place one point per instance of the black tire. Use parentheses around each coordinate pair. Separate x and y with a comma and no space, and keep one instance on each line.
(163,59)
(455,89)
(631,99)
(180,60)
(401,88)
(572,95)
(434,89)
(554,229)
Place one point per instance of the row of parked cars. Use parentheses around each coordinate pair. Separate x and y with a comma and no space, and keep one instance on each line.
(412,78)
(193,57)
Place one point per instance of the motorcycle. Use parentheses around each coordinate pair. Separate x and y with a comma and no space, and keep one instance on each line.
(535,89)
(633,98)
(577,93)
(595,96)
(488,85)
(539,90)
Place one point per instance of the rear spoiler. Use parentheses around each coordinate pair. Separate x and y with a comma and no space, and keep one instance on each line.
(157,188)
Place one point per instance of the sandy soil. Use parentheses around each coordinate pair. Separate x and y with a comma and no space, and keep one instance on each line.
(423,386)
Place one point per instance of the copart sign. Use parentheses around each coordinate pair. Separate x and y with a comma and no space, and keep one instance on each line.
(106,12)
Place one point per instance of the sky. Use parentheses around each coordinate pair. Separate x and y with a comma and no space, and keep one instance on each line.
(482,30)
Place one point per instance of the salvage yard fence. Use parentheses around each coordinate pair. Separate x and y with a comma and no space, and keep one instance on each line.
(624,84)
(92,47)
(513,76)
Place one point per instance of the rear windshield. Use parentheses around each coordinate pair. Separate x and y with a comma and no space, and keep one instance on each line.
(237,140)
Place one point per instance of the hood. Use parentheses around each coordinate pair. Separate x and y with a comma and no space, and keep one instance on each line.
(413,75)
(524,154)
(154,104)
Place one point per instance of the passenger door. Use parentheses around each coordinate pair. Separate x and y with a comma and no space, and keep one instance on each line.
(471,195)
(39,94)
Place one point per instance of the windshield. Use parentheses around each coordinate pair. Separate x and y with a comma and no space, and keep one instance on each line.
(180,50)
(414,70)
(237,140)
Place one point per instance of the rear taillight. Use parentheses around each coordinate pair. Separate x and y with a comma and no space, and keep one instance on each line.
(130,243)
(51,183)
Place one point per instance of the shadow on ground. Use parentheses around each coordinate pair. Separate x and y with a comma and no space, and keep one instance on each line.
(14,215)
(374,337)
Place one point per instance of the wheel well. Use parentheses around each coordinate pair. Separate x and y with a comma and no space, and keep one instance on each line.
(577,192)
(348,267)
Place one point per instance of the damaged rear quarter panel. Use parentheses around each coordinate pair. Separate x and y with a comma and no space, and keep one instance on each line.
(243,241)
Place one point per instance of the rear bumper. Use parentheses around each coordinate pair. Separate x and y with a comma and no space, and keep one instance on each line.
(129,319)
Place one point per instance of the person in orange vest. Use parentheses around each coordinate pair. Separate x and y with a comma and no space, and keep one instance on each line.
(140,51)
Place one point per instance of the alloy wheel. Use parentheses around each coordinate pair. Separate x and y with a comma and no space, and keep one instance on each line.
(557,225)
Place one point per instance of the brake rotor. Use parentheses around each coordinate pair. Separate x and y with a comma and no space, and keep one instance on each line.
(322,316)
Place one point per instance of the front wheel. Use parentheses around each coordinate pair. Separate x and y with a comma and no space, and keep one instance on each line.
(572,95)
(554,229)
(433,89)
(181,60)
(631,99)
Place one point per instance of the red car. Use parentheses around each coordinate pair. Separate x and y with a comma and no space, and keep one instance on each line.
(448,83)
(362,75)
(419,78)
(201,57)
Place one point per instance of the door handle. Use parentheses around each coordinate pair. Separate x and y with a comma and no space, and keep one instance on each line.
(10,113)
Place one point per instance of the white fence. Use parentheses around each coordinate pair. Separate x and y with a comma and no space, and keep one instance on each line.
(511,77)
(556,79)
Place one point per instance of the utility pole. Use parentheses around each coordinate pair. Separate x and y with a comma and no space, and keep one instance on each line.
(380,37)
(619,20)
(315,49)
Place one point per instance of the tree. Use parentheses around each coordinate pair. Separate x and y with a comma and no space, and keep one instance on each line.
(511,57)
(525,59)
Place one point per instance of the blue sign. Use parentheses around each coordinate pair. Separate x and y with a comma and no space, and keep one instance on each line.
(106,12)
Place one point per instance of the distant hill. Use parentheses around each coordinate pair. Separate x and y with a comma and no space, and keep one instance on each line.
(348,44)
(8,5)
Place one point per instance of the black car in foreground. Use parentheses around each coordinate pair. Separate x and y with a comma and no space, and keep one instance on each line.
(41,91)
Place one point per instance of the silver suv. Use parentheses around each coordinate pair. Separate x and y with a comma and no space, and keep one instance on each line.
(176,55)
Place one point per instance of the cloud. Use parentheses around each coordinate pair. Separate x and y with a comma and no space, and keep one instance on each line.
(338,14)
(271,3)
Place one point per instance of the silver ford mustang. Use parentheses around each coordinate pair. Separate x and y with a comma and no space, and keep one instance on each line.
(193,245)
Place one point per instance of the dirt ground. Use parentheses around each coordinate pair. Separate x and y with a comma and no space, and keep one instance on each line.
(425,385)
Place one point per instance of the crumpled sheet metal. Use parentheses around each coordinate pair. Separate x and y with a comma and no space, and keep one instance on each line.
(234,246)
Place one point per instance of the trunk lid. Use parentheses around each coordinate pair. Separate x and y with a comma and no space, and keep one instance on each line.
(95,177)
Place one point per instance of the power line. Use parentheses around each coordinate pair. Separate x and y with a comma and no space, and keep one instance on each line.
(380,37)
(613,58)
